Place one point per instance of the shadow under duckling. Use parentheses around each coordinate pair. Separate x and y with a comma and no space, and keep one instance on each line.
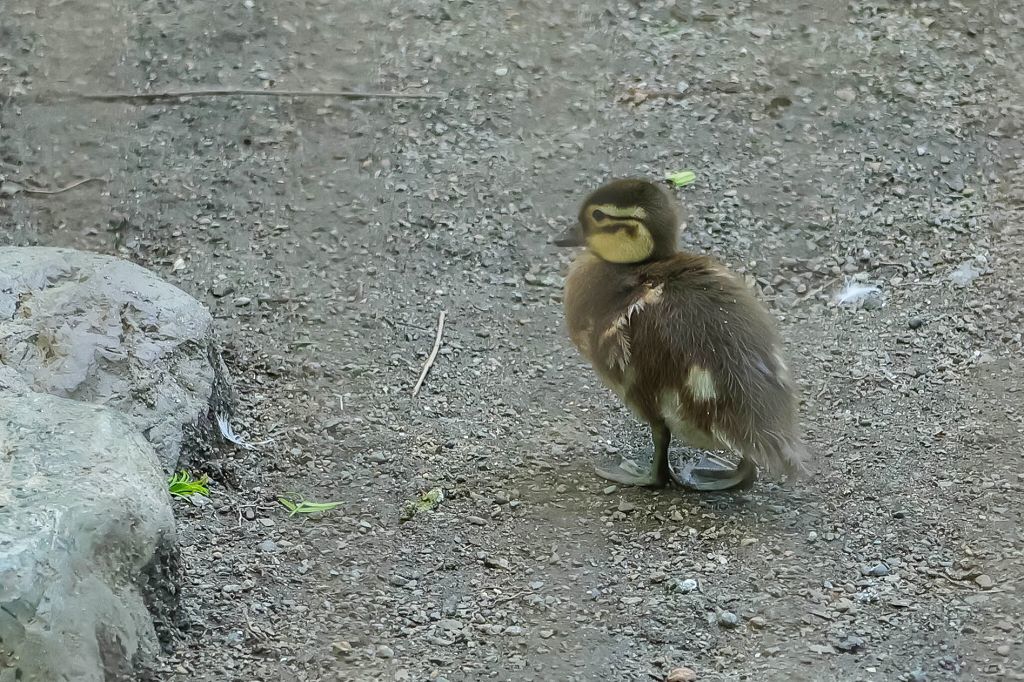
(683,342)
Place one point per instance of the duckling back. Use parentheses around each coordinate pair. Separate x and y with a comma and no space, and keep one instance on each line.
(684,341)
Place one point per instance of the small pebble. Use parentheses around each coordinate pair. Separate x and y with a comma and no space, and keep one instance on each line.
(728,619)
(877,571)
(872,303)
(681,675)
(625,506)
(222,289)
(846,94)
(610,489)
(384,651)
(915,323)
(1003,650)
(850,644)
(985,582)
(496,563)
(685,586)
(477,520)
(450,624)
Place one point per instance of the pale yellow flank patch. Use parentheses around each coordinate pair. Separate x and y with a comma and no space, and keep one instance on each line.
(581,338)
(653,295)
(682,426)
(701,384)
(780,362)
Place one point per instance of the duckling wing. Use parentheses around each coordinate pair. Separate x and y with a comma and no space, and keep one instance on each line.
(706,355)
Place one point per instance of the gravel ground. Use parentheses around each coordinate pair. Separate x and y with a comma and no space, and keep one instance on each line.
(875,142)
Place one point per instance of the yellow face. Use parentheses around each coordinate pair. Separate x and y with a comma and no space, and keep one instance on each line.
(618,234)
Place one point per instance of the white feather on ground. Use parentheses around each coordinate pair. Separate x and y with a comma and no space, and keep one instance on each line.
(229,434)
(853,293)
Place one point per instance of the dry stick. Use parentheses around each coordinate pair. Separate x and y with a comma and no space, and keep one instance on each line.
(231,92)
(433,354)
(73,185)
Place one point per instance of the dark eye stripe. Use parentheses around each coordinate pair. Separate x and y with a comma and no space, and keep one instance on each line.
(599,215)
(611,228)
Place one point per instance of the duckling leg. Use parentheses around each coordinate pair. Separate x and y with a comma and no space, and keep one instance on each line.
(660,473)
(712,472)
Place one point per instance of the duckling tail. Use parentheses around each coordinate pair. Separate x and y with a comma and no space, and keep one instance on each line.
(794,460)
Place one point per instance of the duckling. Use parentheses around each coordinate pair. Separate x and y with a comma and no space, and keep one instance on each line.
(682,341)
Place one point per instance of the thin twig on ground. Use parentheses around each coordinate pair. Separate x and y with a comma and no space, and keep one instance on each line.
(234,92)
(77,183)
(433,354)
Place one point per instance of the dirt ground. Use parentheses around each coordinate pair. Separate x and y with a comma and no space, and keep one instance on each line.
(873,141)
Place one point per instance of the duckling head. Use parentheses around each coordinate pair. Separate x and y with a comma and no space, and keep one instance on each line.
(627,221)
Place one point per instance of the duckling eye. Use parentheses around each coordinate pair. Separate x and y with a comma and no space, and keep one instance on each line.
(598,214)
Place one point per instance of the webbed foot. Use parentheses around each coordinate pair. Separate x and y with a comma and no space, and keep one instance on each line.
(628,472)
(713,472)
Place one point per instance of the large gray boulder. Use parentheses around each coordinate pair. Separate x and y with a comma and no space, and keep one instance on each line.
(86,542)
(102,367)
(105,331)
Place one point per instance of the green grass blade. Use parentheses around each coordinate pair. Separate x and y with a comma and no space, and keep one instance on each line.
(681,178)
(183,485)
(304,507)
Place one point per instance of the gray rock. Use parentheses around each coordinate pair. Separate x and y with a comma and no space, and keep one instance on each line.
(963,275)
(876,571)
(87,552)
(728,619)
(685,586)
(102,330)
(850,644)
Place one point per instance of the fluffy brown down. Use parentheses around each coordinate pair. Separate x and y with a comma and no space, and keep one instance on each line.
(644,327)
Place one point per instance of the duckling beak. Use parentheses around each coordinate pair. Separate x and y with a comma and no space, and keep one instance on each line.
(571,237)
